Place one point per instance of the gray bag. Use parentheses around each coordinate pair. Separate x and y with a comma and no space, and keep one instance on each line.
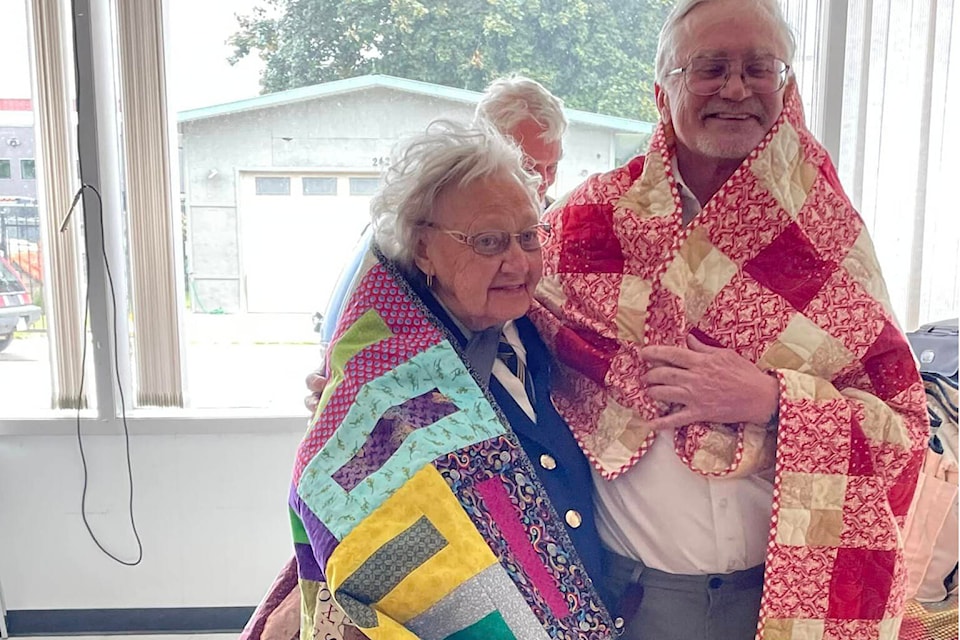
(935,345)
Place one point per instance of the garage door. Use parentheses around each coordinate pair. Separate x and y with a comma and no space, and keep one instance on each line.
(296,232)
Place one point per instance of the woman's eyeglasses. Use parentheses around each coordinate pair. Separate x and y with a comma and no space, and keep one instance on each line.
(706,76)
(491,243)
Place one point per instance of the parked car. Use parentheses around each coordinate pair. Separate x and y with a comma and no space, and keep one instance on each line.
(15,304)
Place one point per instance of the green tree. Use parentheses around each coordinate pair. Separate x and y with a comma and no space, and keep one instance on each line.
(598,55)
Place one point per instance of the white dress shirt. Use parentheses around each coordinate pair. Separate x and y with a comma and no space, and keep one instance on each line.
(675,520)
(504,376)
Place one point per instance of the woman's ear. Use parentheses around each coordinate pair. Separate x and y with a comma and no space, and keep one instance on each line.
(422,258)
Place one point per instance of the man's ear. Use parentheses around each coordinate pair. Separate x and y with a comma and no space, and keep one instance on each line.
(663,102)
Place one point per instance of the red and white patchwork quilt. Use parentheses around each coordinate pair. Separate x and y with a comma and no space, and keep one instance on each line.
(779,267)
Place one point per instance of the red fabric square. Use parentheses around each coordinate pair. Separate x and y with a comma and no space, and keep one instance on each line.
(860,462)
(866,519)
(814,437)
(648,241)
(845,310)
(796,582)
(759,220)
(889,363)
(829,221)
(791,266)
(746,317)
(588,243)
(586,351)
(861,583)
(827,169)
(850,629)
(665,320)
(901,493)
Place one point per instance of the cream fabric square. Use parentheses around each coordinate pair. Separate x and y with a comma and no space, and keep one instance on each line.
(777,629)
(862,265)
(805,347)
(632,308)
(783,172)
(715,271)
(796,490)
(880,423)
(622,432)
(697,274)
(825,527)
(792,527)
(889,629)
(795,346)
(801,386)
(550,293)
(807,630)
(677,277)
(828,491)
(650,196)
(793,629)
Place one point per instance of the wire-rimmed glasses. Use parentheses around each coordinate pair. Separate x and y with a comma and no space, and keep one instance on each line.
(494,242)
(707,75)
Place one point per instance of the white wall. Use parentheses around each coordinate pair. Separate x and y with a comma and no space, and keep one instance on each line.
(210,508)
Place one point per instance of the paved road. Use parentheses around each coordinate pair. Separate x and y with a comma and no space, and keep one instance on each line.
(249,360)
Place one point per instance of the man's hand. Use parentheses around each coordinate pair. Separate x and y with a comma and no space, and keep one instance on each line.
(709,384)
(316,382)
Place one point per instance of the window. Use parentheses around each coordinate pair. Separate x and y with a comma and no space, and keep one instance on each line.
(364,186)
(28,169)
(236,284)
(273,186)
(40,367)
(874,76)
(319,186)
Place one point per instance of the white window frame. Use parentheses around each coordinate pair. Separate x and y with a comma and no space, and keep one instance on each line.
(100,161)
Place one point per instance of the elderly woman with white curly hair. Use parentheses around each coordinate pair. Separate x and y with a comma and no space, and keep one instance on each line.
(437,491)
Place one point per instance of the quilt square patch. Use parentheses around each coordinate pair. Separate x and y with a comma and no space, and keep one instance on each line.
(861,584)
(589,243)
(797,582)
(407,555)
(889,363)
(791,267)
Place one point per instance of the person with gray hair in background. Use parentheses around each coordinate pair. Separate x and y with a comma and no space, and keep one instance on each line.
(728,360)
(523,109)
(436,492)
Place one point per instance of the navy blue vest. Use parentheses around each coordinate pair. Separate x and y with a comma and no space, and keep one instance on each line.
(568,484)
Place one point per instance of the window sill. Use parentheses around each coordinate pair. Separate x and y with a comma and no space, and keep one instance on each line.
(151,422)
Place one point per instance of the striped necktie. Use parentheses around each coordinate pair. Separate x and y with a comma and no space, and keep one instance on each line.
(509,357)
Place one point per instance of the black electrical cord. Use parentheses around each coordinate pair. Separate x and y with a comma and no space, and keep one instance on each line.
(83,329)
(123,407)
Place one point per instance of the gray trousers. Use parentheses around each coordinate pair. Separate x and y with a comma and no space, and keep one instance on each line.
(663,606)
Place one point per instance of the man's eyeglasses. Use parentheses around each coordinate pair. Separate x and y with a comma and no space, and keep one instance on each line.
(706,76)
(491,243)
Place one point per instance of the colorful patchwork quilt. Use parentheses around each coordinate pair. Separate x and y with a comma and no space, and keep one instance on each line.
(413,503)
(779,267)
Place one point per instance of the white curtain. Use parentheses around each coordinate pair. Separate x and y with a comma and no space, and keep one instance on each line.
(52,54)
(896,151)
(152,217)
